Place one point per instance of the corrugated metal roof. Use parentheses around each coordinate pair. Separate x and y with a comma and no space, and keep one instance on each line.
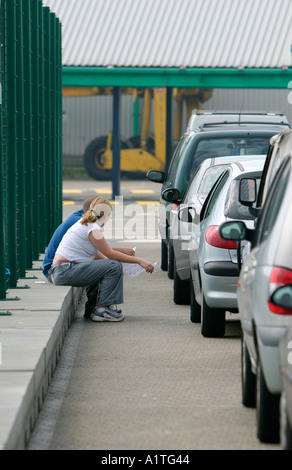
(175,33)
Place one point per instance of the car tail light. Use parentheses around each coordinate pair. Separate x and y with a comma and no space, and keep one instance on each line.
(213,238)
(280,300)
(175,206)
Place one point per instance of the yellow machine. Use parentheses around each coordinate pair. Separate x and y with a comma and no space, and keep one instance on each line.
(143,152)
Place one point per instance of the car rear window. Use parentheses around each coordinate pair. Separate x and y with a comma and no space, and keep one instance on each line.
(224,147)
(194,151)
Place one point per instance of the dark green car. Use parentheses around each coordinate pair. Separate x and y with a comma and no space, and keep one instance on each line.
(209,135)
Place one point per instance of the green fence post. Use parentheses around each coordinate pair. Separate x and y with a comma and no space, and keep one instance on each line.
(49,126)
(2,229)
(35,126)
(53,118)
(12,183)
(20,149)
(46,46)
(42,195)
(60,117)
(27,58)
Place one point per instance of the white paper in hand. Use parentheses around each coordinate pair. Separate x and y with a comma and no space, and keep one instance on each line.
(133,269)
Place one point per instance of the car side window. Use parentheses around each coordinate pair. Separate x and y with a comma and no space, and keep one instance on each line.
(215,193)
(177,155)
(273,203)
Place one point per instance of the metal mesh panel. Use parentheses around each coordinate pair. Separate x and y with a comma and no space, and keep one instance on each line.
(30,191)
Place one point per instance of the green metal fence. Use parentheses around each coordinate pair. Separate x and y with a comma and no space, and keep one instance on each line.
(30,135)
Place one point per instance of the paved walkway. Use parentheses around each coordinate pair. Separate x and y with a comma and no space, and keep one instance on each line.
(150,382)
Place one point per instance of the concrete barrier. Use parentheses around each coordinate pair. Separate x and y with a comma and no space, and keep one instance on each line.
(32,333)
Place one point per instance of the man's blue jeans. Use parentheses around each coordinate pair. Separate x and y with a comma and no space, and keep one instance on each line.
(89,274)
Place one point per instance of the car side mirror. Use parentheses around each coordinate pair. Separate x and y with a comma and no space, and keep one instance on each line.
(247,191)
(235,231)
(171,195)
(155,176)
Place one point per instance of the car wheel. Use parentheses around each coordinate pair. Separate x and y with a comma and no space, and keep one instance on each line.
(163,256)
(285,428)
(94,160)
(195,308)
(212,320)
(181,289)
(267,410)
(170,261)
(248,378)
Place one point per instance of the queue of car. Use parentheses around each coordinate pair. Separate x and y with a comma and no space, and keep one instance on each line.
(226,235)
(265,297)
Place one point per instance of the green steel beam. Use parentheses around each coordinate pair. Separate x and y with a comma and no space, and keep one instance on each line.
(176,77)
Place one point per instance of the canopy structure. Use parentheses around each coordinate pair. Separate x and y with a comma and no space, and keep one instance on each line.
(176,43)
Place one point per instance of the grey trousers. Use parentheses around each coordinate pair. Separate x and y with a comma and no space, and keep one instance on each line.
(107,273)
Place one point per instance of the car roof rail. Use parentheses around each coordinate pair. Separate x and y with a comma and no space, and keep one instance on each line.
(238,112)
(225,123)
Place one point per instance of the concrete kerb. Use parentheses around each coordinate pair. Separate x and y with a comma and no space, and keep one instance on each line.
(32,332)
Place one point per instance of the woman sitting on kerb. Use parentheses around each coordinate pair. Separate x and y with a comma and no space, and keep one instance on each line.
(85,259)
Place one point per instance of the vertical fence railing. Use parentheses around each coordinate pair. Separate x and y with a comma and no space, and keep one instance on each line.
(30,135)
(2,170)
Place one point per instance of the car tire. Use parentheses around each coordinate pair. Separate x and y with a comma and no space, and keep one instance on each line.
(94,161)
(248,378)
(181,289)
(267,410)
(163,256)
(195,308)
(285,428)
(212,320)
(170,261)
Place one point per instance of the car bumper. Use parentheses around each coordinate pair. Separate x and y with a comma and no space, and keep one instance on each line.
(219,280)
(268,339)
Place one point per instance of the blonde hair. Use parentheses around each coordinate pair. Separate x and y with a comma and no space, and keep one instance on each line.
(94,212)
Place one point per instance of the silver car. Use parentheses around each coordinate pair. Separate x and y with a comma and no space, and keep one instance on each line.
(285,347)
(181,222)
(264,284)
(213,261)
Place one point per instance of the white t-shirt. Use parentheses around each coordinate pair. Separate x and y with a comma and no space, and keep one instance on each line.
(76,245)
